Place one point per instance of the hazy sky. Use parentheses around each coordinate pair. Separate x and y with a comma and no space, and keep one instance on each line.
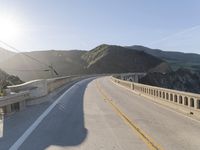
(84,24)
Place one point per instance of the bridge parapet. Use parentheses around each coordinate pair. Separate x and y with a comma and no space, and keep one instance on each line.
(54,83)
(133,77)
(29,92)
(14,101)
(36,88)
(190,101)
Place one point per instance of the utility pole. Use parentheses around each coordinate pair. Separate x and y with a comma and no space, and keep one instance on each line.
(52,71)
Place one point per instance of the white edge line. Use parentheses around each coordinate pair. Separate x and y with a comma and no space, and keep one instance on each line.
(28,132)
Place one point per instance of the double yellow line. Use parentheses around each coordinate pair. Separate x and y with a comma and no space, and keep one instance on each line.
(152,145)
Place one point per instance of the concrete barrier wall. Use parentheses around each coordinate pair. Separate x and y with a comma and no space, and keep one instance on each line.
(53,84)
(12,102)
(14,98)
(42,87)
(185,99)
(36,88)
(30,92)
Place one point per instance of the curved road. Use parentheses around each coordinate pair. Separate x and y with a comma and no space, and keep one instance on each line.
(96,114)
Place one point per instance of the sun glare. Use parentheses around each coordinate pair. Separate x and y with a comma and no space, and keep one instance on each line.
(9,29)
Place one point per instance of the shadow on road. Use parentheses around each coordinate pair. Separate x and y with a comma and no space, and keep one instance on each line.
(63,126)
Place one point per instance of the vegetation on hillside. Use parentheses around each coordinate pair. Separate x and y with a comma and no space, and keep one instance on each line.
(6,80)
(117,59)
(102,59)
(175,59)
(182,79)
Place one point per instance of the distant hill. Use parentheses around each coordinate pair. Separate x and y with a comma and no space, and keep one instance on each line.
(65,63)
(102,59)
(176,59)
(5,54)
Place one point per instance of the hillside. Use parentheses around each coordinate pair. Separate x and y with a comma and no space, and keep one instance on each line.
(182,79)
(6,79)
(64,62)
(102,59)
(176,59)
(117,59)
(5,54)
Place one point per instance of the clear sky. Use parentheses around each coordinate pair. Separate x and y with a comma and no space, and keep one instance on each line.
(84,24)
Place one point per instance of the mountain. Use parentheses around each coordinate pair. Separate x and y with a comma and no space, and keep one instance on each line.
(5,54)
(102,59)
(182,79)
(6,79)
(117,59)
(175,59)
(26,66)
(162,68)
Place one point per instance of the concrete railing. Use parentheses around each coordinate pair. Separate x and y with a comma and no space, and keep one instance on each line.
(13,98)
(55,83)
(42,87)
(13,101)
(29,92)
(36,88)
(185,99)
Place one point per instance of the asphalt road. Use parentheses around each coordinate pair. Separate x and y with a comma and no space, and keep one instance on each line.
(96,114)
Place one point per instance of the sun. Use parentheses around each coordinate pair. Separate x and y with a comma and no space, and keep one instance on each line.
(9,29)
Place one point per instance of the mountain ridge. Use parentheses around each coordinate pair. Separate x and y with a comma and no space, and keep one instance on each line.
(102,59)
(174,58)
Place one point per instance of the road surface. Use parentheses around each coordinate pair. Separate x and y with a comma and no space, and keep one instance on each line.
(96,114)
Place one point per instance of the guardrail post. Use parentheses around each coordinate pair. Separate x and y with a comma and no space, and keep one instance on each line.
(7,109)
(189,102)
(132,86)
(22,105)
(195,103)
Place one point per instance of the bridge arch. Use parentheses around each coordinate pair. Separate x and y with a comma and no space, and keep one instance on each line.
(175,98)
(191,102)
(186,100)
(160,94)
(180,99)
(198,103)
(163,96)
(157,93)
(167,96)
(171,97)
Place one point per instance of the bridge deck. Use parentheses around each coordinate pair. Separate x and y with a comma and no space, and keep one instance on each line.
(85,117)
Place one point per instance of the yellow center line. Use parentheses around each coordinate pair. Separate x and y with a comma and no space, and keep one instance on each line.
(152,145)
